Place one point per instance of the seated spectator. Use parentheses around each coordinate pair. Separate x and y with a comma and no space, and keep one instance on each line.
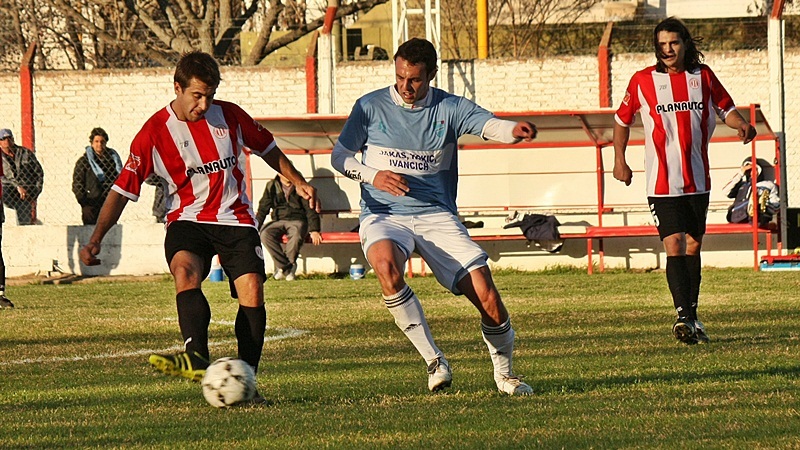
(739,189)
(291,216)
(22,178)
(95,173)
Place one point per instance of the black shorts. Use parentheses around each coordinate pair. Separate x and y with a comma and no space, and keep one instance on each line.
(683,214)
(239,248)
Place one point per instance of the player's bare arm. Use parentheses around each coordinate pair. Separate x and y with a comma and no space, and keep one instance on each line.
(388,181)
(622,171)
(747,132)
(525,130)
(109,215)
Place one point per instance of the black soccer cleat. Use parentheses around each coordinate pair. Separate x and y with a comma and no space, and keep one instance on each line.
(5,303)
(684,330)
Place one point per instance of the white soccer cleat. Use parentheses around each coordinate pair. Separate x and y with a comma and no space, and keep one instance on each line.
(513,385)
(290,274)
(439,375)
(278,274)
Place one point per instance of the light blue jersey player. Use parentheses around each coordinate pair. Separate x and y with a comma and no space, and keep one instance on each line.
(408,135)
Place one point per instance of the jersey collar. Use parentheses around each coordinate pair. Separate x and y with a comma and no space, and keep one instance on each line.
(423,102)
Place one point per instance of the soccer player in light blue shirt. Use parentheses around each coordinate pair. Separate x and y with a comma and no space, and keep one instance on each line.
(408,136)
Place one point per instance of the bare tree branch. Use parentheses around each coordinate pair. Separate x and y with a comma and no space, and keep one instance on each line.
(265,46)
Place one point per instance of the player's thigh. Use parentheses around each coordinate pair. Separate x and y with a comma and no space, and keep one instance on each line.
(375,228)
(447,248)
(187,270)
(669,215)
(239,250)
(189,237)
(698,205)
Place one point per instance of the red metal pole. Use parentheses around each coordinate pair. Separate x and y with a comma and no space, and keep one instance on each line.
(777,9)
(26,94)
(312,95)
(604,67)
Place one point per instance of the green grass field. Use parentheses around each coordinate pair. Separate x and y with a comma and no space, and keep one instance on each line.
(597,350)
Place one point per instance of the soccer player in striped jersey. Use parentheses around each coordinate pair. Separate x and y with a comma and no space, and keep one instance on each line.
(676,98)
(196,144)
(408,136)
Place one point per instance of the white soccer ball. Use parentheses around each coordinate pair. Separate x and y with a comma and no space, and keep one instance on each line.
(228,381)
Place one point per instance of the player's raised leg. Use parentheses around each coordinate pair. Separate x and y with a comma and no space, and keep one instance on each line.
(194,315)
(478,286)
(387,260)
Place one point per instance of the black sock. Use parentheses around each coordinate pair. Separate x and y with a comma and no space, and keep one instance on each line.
(695,276)
(194,315)
(679,281)
(250,325)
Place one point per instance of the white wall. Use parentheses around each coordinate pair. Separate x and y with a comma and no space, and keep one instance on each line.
(700,9)
(68,104)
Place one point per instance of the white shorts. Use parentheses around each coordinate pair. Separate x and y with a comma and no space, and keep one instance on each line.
(439,238)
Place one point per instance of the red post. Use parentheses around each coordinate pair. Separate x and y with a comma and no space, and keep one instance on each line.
(604,67)
(777,9)
(330,17)
(312,96)
(26,95)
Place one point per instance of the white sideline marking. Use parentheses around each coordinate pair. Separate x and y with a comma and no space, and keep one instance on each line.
(287,333)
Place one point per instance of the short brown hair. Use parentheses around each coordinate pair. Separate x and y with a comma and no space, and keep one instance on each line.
(416,51)
(198,65)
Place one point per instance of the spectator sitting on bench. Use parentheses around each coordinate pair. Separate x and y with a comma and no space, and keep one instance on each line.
(291,216)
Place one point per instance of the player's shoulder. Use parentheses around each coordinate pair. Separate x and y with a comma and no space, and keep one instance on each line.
(645,73)
(228,106)
(153,126)
(376,96)
(442,96)
(158,119)
(703,68)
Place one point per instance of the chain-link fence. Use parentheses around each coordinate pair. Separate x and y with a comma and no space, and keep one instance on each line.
(23,179)
(55,188)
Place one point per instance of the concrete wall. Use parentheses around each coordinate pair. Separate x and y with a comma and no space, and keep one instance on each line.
(69,104)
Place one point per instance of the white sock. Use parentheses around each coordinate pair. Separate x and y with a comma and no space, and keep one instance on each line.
(408,316)
(500,340)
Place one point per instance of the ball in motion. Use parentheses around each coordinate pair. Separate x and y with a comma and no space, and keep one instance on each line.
(228,381)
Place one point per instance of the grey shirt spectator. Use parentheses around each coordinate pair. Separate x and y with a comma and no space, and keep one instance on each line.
(23,178)
(292,217)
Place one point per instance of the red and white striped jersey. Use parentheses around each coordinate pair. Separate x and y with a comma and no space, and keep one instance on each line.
(676,111)
(203,163)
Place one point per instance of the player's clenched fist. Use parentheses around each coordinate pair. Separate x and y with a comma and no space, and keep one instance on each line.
(622,172)
(525,131)
(89,253)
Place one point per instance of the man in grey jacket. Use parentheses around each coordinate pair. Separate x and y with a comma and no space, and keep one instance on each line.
(22,178)
(292,217)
